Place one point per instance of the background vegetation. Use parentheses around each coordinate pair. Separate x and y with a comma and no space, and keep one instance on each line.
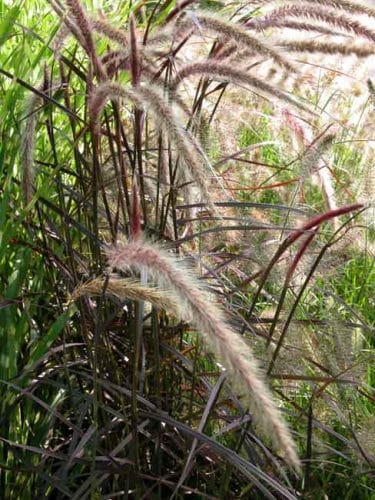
(239,138)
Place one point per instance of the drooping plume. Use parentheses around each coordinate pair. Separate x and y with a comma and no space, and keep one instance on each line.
(150,97)
(225,72)
(166,271)
(126,289)
(235,32)
(28,139)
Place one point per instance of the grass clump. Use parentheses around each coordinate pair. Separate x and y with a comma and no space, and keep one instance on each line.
(149,202)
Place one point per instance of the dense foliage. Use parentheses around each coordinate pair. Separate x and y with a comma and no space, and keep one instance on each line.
(186,249)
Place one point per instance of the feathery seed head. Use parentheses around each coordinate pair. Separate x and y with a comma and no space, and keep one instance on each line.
(225,72)
(239,35)
(311,46)
(151,97)
(81,19)
(207,317)
(102,26)
(344,5)
(28,140)
(315,151)
(126,289)
(328,16)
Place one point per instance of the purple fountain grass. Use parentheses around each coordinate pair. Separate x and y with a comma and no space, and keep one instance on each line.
(231,31)
(328,16)
(116,60)
(105,28)
(300,253)
(262,24)
(135,222)
(345,49)
(83,22)
(69,23)
(313,163)
(296,127)
(288,277)
(312,224)
(121,37)
(316,150)
(28,140)
(167,271)
(101,94)
(226,72)
(126,289)
(166,118)
(345,5)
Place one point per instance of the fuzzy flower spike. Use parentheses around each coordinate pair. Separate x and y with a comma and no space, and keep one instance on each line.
(166,271)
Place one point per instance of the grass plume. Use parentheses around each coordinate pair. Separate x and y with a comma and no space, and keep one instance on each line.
(105,28)
(126,289)
(324,15)
(84,24)
(261,24)
(208,319)
(311,46)
(70,26)
(28,140)
(225,72)
(166,118)
(236,33)
(344,5)
(82,20)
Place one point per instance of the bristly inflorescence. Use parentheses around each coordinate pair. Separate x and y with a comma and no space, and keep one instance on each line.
(338,21)
(166,271)
(136,100)
(34,104)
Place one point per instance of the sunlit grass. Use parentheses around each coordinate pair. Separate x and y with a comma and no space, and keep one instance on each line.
(107,394)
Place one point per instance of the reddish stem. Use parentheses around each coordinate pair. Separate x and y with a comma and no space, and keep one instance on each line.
(319,219)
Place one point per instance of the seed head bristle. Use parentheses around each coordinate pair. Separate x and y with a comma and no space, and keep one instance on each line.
(82,20)
(102,26)
(344,5)
(225,72)
(328,16)
(345,49)
(296,127)
(126,289)
(70,23)
(186,145)
(239,35)
(166,118)
(261,24)
(314,162)
(28,140)
(315,151)
(208,319)
(101,94)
